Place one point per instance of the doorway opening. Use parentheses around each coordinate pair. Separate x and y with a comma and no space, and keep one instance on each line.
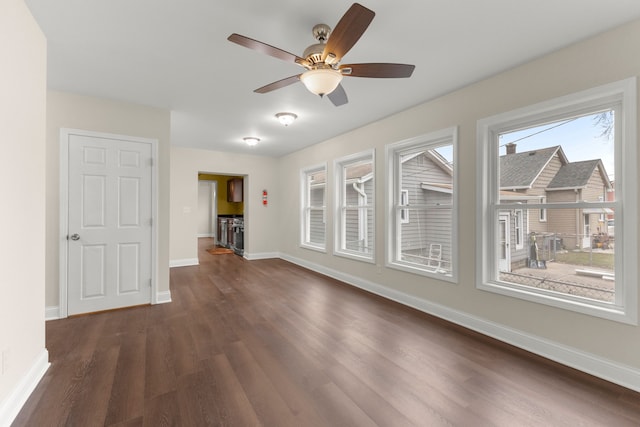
(221,212)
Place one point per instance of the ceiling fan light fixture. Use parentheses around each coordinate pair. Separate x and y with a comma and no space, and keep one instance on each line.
(251,140)
(321,81)
(286,118)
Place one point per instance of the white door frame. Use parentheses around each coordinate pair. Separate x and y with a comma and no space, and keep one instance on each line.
(506,218)
(65,135)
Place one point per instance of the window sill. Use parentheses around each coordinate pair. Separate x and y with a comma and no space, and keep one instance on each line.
(567,302)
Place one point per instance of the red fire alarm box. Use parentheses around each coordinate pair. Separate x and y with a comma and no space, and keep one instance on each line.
(264,198)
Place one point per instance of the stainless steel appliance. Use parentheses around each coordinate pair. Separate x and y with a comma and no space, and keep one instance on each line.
(238,235)
(230,243)
(222,232)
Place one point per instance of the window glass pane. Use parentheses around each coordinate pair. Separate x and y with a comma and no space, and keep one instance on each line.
(317,186)
(426,239)
(423,205)
(555,160)
(316,226)
(359,229)
(313,229)
(570,258)
(355,196)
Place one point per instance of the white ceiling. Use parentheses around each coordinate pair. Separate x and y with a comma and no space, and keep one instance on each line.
(174,54)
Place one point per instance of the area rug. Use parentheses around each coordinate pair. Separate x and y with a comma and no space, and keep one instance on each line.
(219,251)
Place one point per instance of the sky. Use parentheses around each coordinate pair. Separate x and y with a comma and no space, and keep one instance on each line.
(581,139)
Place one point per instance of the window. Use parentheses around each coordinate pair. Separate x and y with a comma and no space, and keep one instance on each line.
(313,183)
(557,159)
(355,201)
(519,232)
(421,200)
(404,201)
(543,212)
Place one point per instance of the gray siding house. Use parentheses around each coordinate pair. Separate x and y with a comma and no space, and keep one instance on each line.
(546,176)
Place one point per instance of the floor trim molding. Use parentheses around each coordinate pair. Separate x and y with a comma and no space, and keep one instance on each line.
(52,313)
(12,404)
(163,297)
(614,372)
(261,255)
(187,262)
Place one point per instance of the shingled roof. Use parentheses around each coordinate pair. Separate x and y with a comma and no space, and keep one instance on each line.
(520,170)
(576,175)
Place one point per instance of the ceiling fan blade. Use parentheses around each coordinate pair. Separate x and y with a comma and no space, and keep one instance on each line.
(348,31)
(266,49)
(377,70)
(338,97)
(279,84)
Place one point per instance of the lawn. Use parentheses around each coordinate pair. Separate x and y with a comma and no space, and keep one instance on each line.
(595,259)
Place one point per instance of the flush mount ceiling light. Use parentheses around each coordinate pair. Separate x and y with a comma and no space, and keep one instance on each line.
(286,118)
(321,81)
(251,140)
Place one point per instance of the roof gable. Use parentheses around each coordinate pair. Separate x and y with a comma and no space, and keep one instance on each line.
(577,175)
(520,170)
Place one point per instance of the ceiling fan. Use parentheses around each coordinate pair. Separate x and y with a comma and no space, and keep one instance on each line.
(322,60)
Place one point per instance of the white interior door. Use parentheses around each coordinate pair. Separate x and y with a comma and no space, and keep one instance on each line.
(110,223)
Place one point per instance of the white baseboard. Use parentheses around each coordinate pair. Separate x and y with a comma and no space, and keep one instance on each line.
(52,313)
(12,404)
(183,262)
(261,255)
(163,297)
(614,372)
(205,235)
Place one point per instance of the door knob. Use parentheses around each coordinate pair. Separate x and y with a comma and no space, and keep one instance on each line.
(75,237)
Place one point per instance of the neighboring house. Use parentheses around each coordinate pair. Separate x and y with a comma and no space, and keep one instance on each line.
(427,179)
(359,226)
(546,175)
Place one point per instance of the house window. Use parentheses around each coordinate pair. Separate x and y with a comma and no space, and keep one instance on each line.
(355,201)
(543,212)
(519,229)
(404,201)
(313,184)
(422,223)
(556,157)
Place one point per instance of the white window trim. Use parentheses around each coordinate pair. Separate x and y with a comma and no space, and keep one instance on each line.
(625,308)
(519,228)
(392,196)
(304,206)
(542,213)
(339,223)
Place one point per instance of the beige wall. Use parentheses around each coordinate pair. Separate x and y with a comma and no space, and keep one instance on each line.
(261,236)
(22,216)
(609,57)
(66,110)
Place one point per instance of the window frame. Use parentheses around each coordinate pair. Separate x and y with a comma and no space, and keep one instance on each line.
(341,207)
(519,228)
(620,96)
(542,213)
(394,206)
(306,208)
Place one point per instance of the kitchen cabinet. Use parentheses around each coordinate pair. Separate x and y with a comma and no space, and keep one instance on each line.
(234,190)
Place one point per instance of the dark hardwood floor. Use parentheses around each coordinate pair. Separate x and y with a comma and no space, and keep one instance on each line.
(268,343)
